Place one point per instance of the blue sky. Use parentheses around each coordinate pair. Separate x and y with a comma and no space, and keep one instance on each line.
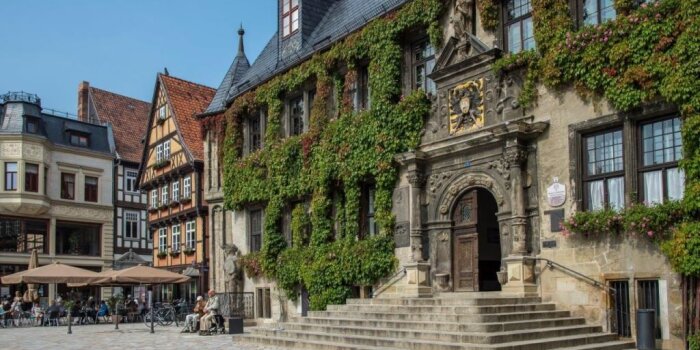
(49,46)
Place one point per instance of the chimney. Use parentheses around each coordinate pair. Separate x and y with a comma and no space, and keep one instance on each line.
(83,101)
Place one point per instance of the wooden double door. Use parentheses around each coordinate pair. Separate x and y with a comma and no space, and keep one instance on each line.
(476,243)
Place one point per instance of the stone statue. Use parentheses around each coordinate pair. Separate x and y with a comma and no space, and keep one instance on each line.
(232,267)
(461,21)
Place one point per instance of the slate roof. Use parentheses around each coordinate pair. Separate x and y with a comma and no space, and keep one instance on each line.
(129,120)
(188,99)
(52,127)
(238,68)
(340,18)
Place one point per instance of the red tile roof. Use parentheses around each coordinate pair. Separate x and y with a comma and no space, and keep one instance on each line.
(129,119)
(187,100)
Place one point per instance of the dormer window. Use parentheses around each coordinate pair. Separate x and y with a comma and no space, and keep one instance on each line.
(290,17)
(31,125)
(78,139)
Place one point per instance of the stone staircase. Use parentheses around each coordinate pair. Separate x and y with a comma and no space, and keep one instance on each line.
(473,321)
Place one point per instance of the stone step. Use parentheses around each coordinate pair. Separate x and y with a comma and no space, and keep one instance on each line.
(444,310)
(443,326)
(443,335)
(358,340)
(566,342)
(436,317)
(445,301)
(290,343)
(611,345)
(310,340)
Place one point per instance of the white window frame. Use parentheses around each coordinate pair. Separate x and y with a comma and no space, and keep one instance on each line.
(164,195)
(154,198)
(130,180)
(176,191)
(131,218)
(187,187)
(159,152)
(161,112)
(176,238)
(166,150)
(191,234)
(162,240)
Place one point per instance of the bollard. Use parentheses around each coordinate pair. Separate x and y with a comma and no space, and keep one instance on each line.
(646,329)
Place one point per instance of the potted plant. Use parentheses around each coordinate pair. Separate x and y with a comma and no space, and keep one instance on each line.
(184,200)
(188,251)
(162,255)
(174,252)
(174,203)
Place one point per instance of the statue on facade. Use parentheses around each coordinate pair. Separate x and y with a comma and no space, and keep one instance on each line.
(461,21)
(234,280)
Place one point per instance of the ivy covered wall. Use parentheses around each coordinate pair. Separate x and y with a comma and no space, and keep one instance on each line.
(342,150)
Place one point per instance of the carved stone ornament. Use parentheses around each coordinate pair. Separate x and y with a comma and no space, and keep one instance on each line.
(502,166)
(443,236)
(469,181)
(461,22)
(515,155)
(416,179)
(467,106)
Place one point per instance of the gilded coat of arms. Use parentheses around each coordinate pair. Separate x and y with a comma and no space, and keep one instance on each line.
(467,106)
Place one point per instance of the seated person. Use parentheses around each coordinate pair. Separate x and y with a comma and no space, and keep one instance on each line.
(103,311)
(210,311)
(191,319)
(38,313)
(91,309)
(53,312)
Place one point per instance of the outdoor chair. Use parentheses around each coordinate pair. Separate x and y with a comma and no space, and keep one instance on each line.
(52,318)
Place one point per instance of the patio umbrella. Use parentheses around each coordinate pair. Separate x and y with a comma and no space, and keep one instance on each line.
(53,273)
(31,294)
(141,275)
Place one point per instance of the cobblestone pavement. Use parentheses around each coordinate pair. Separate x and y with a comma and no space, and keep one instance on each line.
(100,337)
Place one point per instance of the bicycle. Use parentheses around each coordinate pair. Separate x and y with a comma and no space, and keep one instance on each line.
(163,314)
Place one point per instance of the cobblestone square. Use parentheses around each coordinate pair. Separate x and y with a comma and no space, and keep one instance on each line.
(129,336)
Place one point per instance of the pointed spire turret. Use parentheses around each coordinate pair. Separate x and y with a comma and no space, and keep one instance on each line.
(241,32)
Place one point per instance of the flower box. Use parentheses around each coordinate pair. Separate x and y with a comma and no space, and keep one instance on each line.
(161,164)
(185,200)
(174,253)
(162,255)
(153,209)
(163,206)
(174,203)
(189,251)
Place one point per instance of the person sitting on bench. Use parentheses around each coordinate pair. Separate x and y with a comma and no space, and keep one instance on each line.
(191,319)
(210,311)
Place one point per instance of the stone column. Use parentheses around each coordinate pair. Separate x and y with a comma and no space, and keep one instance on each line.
(418,270)
(417,181)
(516,156)
(520,273)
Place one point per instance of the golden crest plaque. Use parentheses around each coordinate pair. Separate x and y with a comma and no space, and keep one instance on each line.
(467,106)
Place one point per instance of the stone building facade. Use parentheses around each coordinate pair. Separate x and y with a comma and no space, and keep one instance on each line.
(56,193)
(479,203)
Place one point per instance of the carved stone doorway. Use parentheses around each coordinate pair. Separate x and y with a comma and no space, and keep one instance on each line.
(476,247)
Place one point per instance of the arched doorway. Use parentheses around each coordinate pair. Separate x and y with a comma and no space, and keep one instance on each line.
(476,246)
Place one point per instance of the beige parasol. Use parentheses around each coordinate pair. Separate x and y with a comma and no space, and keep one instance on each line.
(53,273)
(31,295)
(141,275)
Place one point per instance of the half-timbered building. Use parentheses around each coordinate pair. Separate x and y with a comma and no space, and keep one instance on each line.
(171,176)
(128,118)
